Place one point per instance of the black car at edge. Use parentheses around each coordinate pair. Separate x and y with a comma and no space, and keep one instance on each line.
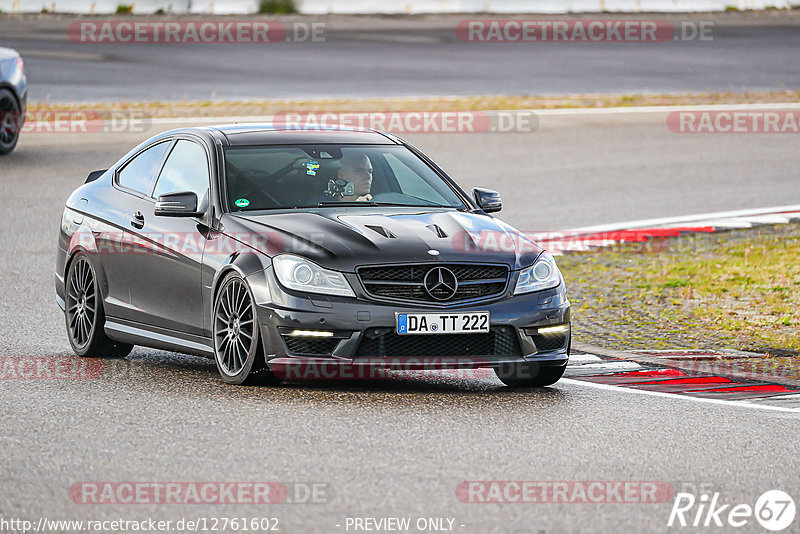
(13,99)
(267,247)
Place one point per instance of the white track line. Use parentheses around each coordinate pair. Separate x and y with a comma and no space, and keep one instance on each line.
(698,218)
(740,404)
(610,366)
(656,109)
(768,219)
(733,222)
(578,359)
(794,397)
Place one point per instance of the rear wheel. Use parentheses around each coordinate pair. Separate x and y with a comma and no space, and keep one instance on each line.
(9,121)
(529,374)
(85,316)
(237,350)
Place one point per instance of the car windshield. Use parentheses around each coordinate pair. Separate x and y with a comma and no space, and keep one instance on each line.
(311,176)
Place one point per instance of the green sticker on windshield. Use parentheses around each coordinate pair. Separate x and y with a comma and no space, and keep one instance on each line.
(242,203)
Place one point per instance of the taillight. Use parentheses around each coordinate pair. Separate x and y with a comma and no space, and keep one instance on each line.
(21,65)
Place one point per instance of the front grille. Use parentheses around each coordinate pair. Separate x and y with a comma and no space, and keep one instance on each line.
(385,342)
(310,346)
(406,282)
(549,342)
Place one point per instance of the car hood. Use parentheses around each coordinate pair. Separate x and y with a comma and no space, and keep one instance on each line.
(347,238)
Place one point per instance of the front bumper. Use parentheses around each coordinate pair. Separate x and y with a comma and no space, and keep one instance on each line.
(353,320)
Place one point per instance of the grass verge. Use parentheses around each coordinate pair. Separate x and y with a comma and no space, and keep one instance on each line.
(735,289)
(217,108)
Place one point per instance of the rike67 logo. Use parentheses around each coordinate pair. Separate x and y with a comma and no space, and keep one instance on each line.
(774,510)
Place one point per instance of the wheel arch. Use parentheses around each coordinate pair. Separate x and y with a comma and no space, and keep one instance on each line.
(97,267)
(13,90)
(247,266)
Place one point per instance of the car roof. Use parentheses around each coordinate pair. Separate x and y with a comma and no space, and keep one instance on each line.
(248,134)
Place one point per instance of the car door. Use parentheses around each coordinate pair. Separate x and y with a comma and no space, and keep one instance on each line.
(131,181)
(166,292)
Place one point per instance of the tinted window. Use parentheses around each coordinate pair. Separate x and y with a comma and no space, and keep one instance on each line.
(305,176)
(137,173)
(412,183)
(186,169)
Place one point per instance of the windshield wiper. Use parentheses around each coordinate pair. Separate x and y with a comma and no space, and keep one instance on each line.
(356,203)
(326,204)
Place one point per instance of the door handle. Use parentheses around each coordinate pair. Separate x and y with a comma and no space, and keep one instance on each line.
(137,220)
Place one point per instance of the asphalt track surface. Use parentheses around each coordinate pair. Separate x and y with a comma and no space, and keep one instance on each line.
(401,446)
(399,57)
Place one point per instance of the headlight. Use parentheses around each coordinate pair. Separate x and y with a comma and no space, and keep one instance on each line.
(543,274)
(298,273)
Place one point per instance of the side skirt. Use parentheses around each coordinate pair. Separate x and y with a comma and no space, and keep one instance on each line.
(157,338)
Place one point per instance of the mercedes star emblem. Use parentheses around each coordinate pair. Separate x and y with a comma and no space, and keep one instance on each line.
(441,283)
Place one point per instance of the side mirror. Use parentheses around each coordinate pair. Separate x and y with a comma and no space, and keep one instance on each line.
(487,200)
(180,204)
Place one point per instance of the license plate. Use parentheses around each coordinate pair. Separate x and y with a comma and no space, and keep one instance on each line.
(443,323)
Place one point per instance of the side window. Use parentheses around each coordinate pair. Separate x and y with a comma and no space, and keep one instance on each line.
(137,173)
(186,169)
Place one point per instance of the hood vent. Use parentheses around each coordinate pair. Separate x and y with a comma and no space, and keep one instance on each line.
(436,229)
(381,230)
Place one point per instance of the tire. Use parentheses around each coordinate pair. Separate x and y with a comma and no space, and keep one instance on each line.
(237,348)
(84,314)
(10,115)
(529,374)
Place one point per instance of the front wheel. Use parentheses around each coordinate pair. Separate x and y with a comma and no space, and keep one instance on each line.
(85,316)
(237,350)
(529,374)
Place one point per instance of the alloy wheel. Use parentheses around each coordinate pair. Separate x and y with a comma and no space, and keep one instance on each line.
(81,302)
(234,327)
